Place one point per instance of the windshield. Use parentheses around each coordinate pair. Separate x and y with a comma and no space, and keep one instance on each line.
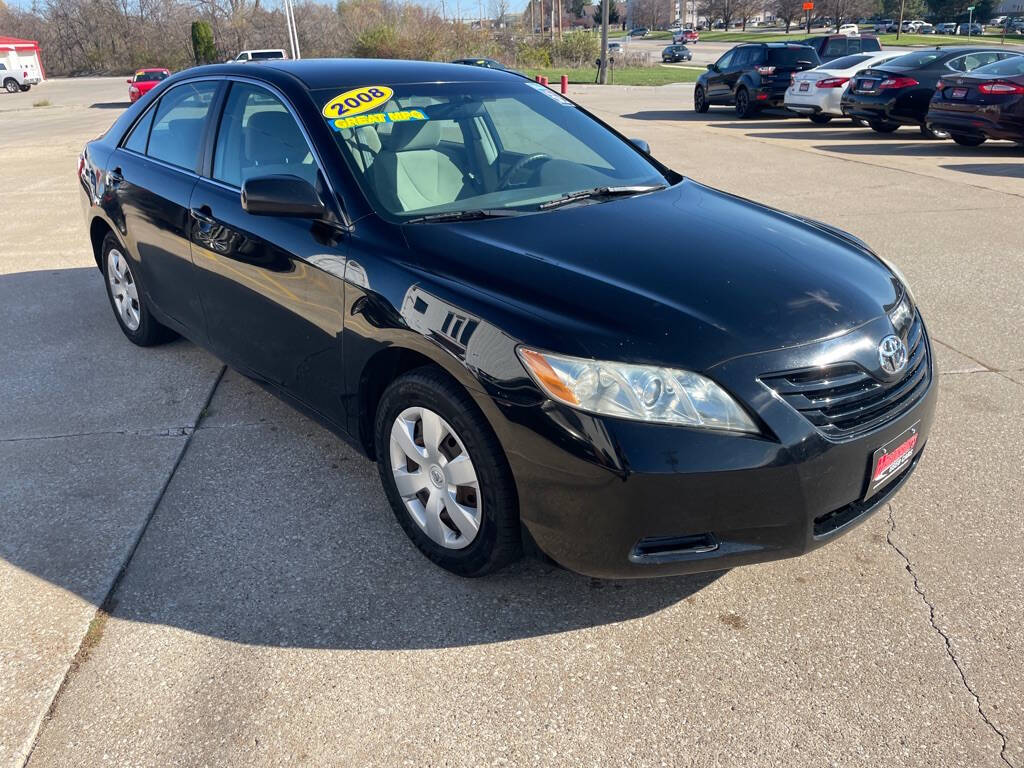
(150,77)
(422,149)
(1005,68)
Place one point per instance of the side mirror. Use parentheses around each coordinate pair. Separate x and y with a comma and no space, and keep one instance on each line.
(713,67)
(129,81)
(281,195)
(642,145)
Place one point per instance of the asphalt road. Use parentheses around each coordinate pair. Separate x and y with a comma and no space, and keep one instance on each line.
(191,573)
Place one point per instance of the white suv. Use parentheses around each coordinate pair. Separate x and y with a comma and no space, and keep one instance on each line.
(20,78)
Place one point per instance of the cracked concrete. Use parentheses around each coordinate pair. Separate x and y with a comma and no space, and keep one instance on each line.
(259,604)
(945,638)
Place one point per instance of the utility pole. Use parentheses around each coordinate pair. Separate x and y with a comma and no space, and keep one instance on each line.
(602,75)
(533,19)
(559,19)
(899,29)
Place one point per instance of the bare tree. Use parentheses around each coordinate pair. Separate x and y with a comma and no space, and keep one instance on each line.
(788,10)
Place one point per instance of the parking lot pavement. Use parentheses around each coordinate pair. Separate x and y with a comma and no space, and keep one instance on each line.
(274,611)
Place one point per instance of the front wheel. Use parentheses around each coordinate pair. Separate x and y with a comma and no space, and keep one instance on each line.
(446,475)
(700,100)
(821,119)
(743,108)
(25,88)
(966,140)
(11,85)
(880,126)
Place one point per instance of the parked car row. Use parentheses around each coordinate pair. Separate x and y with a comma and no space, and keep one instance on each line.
(968,93)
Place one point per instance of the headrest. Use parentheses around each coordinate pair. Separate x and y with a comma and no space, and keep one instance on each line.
(415,134)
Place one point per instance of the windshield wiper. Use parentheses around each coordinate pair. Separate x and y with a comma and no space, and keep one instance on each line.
(488,213)
(586,194)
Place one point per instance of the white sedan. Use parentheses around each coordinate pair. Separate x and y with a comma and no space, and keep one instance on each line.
(817,93)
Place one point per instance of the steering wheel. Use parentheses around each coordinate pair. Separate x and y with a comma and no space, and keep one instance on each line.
(518,165)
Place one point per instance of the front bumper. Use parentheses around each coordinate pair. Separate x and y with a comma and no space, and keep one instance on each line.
(620,499)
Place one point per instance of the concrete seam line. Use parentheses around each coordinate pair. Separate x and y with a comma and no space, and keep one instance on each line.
(166,432)
(984,365)
(94,631)
(949,647)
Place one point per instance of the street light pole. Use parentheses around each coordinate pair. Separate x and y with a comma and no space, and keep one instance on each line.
(602,74)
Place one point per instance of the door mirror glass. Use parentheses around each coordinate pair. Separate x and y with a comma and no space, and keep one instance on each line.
(713,67)
(281,195)
(642,145)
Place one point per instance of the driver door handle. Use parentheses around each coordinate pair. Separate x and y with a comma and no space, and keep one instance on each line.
(203,215)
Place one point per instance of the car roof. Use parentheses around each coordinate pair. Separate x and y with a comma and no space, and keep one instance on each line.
(772,45)
(315,74)
(152,69)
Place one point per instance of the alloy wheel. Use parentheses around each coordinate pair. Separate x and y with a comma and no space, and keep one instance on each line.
(435,477)
(11,86)
(123,289)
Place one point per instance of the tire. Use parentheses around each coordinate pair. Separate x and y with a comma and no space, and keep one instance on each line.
(126,297)
(821,119)
(880,126)
(966,140)
(860,122)
(407,407)
(743,107)
(11,85)
(700,100)
(24,88)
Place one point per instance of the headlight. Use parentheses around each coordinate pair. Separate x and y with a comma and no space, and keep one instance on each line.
(638,392)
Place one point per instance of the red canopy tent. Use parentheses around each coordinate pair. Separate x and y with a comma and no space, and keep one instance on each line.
(23,46)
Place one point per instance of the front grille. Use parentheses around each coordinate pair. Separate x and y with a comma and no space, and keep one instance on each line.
(843,399)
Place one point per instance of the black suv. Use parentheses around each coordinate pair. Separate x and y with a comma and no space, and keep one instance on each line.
(830,47)
(752,76)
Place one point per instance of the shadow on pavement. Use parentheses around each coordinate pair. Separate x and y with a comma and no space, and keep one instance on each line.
(110,105)
(924,148)
(712,116)
(1012,170)
(271,530)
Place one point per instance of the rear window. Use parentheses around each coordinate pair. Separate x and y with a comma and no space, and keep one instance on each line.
(916,59)
(150,77)
(848,61)
(793,57)
(1005,68)
(267,55)
(869,43)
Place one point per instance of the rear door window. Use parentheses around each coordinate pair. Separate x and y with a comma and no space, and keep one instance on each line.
(177,132)
(137,139)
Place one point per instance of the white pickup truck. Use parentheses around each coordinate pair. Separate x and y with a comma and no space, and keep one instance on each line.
(18,74)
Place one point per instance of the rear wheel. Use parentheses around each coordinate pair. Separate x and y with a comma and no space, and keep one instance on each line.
(966,140)
(445,474)
(24,88)
(700,100)
(127,298)
(880,126)
(743,108)
(821,119)
(11,85)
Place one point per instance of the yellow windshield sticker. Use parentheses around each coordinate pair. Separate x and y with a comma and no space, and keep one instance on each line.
(378,118)
(357,101)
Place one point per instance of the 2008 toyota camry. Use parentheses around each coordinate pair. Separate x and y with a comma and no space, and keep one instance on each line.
(501,300)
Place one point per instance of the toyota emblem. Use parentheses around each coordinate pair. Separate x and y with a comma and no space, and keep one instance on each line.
(892,354)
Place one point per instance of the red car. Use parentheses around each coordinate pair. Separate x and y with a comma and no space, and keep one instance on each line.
(144,81)
(686,36)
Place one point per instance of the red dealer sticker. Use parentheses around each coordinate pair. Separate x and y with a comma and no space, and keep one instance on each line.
(891,459)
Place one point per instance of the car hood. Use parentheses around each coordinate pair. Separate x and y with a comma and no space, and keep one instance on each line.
(687,276)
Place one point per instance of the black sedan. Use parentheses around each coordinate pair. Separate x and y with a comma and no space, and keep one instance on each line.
(676,52)
(987,104)
(899,92)
(440,263)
